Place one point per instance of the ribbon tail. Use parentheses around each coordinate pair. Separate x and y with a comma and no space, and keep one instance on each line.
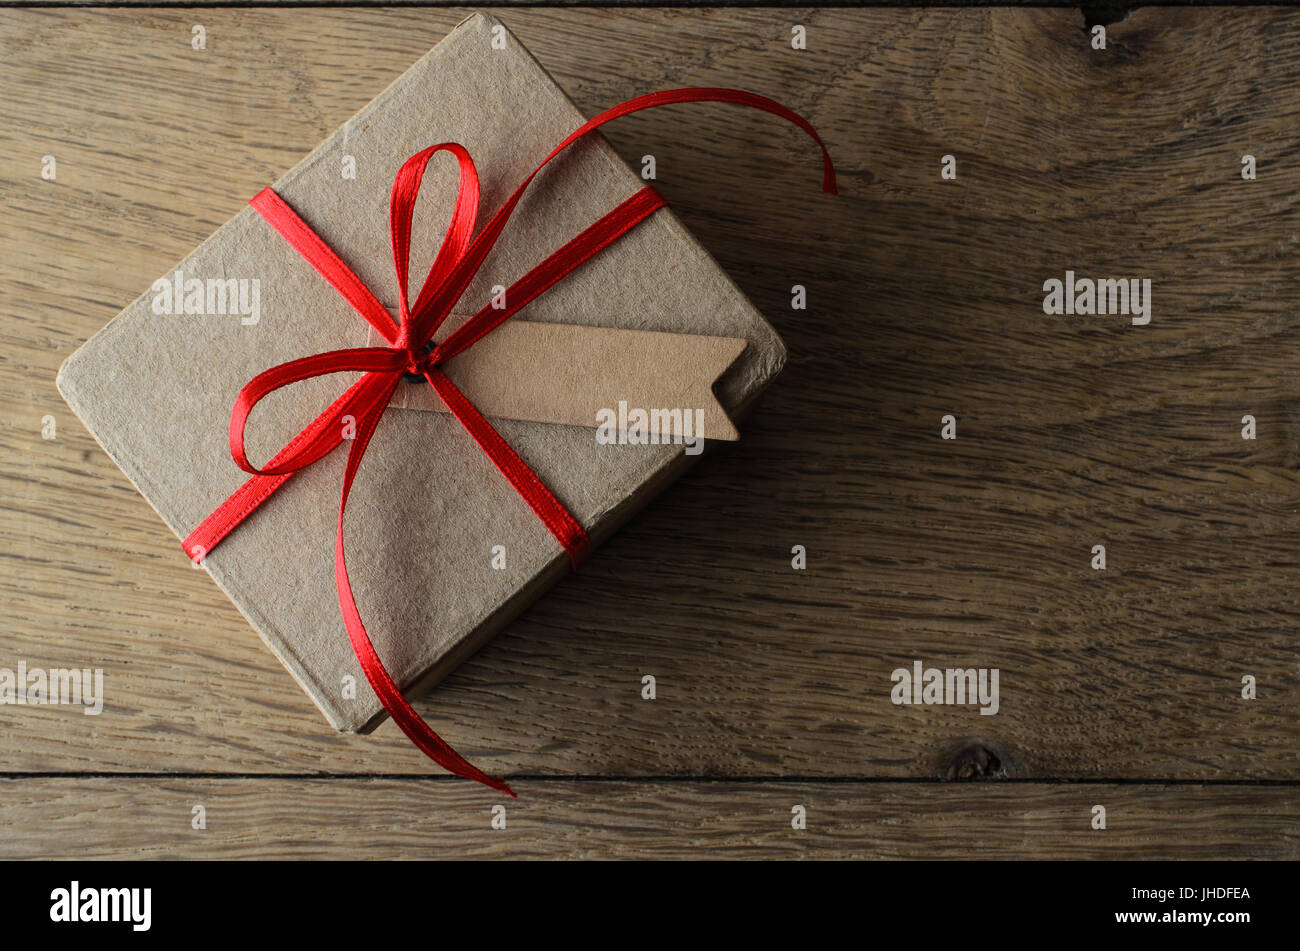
(390,696)
(428,315)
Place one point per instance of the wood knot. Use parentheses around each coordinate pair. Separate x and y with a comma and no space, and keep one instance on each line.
(1105,12)
(974,763)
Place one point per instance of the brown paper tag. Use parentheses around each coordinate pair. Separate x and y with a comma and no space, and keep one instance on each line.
(624,382)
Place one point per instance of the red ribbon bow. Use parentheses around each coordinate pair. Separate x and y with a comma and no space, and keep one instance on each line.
(410,352)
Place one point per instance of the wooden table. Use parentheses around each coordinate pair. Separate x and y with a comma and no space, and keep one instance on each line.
(1119,687)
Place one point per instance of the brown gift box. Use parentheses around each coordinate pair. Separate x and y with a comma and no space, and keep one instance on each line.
(428,506)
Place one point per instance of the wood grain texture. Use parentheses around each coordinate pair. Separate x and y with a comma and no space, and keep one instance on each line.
(924,299)
(266,818)
(635,4)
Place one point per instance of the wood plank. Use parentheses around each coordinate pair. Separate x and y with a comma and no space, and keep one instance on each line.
(634,4)
(266,818)
(925,299)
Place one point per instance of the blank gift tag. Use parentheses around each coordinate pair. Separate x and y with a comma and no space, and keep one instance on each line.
(578,375)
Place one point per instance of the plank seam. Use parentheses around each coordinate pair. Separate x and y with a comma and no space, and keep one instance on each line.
(684,780)
(634,4)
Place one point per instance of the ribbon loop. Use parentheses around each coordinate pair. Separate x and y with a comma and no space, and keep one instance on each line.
(460,228)
(309,445)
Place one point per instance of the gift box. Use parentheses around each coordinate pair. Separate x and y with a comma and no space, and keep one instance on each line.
(442,551)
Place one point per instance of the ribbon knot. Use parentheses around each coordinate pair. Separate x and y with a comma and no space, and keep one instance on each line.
(420,360)
(411,354)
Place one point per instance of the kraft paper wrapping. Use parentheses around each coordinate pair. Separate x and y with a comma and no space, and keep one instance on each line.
(428,506)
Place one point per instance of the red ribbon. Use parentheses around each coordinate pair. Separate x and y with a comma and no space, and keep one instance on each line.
(410,352)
